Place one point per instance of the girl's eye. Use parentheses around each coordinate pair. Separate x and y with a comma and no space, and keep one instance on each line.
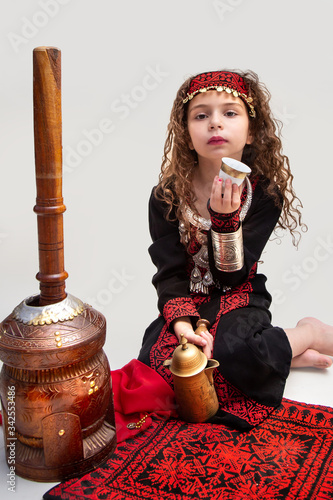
(230,113)
(201,116)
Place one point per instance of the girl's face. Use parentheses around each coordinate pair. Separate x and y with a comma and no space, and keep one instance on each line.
(218,125)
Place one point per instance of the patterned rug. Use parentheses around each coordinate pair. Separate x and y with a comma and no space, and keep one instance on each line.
(289,456)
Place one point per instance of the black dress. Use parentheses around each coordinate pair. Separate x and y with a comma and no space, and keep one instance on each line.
(254,356)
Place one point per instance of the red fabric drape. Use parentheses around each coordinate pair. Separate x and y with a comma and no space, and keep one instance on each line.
(138,391)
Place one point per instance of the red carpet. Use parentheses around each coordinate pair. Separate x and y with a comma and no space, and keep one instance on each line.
(289,456)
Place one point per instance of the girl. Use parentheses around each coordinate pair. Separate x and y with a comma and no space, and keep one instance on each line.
(208,236)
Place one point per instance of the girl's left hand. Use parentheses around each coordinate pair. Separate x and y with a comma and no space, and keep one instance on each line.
(231,198)
(208,348)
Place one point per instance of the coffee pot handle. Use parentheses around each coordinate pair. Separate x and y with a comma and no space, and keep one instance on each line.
(202,325)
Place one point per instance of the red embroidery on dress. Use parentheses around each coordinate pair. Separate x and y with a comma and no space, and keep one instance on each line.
(254,181)
(201,299)
(194,245)
(237,403)
(245,287)
(162,350)
(253,271)
(231,399)
(224,221)
(178,307)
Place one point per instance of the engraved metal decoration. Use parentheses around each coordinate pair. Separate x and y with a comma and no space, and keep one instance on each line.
(41,315)
(198,282)
(228,250)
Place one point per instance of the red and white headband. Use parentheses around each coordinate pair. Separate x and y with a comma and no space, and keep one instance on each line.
(222,81)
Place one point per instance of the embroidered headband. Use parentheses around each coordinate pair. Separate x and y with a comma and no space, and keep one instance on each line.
(232,83)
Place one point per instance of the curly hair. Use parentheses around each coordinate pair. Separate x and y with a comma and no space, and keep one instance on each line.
(264,156)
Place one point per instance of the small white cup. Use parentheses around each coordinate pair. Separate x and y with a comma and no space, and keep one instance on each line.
(234,170)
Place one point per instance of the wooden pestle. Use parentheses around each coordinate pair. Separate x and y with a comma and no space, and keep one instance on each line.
(48,160)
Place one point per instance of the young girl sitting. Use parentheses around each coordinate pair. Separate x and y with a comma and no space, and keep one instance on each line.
(208,235)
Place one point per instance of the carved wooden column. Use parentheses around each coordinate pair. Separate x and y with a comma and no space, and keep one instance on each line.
(55,374)
(48,159)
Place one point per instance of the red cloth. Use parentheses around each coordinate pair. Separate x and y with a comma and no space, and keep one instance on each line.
(138,391)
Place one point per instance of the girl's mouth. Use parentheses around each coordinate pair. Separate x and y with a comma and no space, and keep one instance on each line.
(216,140)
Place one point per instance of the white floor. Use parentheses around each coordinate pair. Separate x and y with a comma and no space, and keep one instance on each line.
(306,385)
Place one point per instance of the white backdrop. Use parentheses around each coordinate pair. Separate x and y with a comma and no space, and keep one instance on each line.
(122,63)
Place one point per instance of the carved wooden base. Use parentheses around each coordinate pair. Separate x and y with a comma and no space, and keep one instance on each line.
(58,461)
(56,395)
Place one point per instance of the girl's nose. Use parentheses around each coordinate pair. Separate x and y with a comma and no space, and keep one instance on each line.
(215,122)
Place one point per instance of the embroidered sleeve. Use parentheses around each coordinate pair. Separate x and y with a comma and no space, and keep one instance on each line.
(179,307)
(224,223)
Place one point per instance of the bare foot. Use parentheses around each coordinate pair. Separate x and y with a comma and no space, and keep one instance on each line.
(314,322)
(311,358)
(321,333)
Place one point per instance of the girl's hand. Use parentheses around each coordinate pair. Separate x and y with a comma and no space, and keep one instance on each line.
(205,339)
(231,199)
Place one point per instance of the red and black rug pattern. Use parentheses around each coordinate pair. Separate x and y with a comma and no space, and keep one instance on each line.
(288,456)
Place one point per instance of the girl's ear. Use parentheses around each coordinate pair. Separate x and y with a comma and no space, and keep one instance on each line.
(250,138)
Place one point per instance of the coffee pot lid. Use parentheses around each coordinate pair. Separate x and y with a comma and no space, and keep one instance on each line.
(187,359)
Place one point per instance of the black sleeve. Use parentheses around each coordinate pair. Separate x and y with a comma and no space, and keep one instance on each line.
(170,258)
(257,226)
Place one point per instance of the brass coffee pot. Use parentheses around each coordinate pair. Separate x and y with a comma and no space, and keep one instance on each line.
(193,380)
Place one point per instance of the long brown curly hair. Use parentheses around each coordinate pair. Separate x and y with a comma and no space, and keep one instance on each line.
(264,156)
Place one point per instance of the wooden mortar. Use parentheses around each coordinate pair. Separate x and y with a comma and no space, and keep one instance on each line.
(55,383)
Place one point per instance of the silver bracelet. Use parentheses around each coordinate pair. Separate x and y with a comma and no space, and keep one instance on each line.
(228,250)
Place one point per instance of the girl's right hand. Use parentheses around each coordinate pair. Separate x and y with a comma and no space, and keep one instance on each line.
(230,201)
(183,326)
